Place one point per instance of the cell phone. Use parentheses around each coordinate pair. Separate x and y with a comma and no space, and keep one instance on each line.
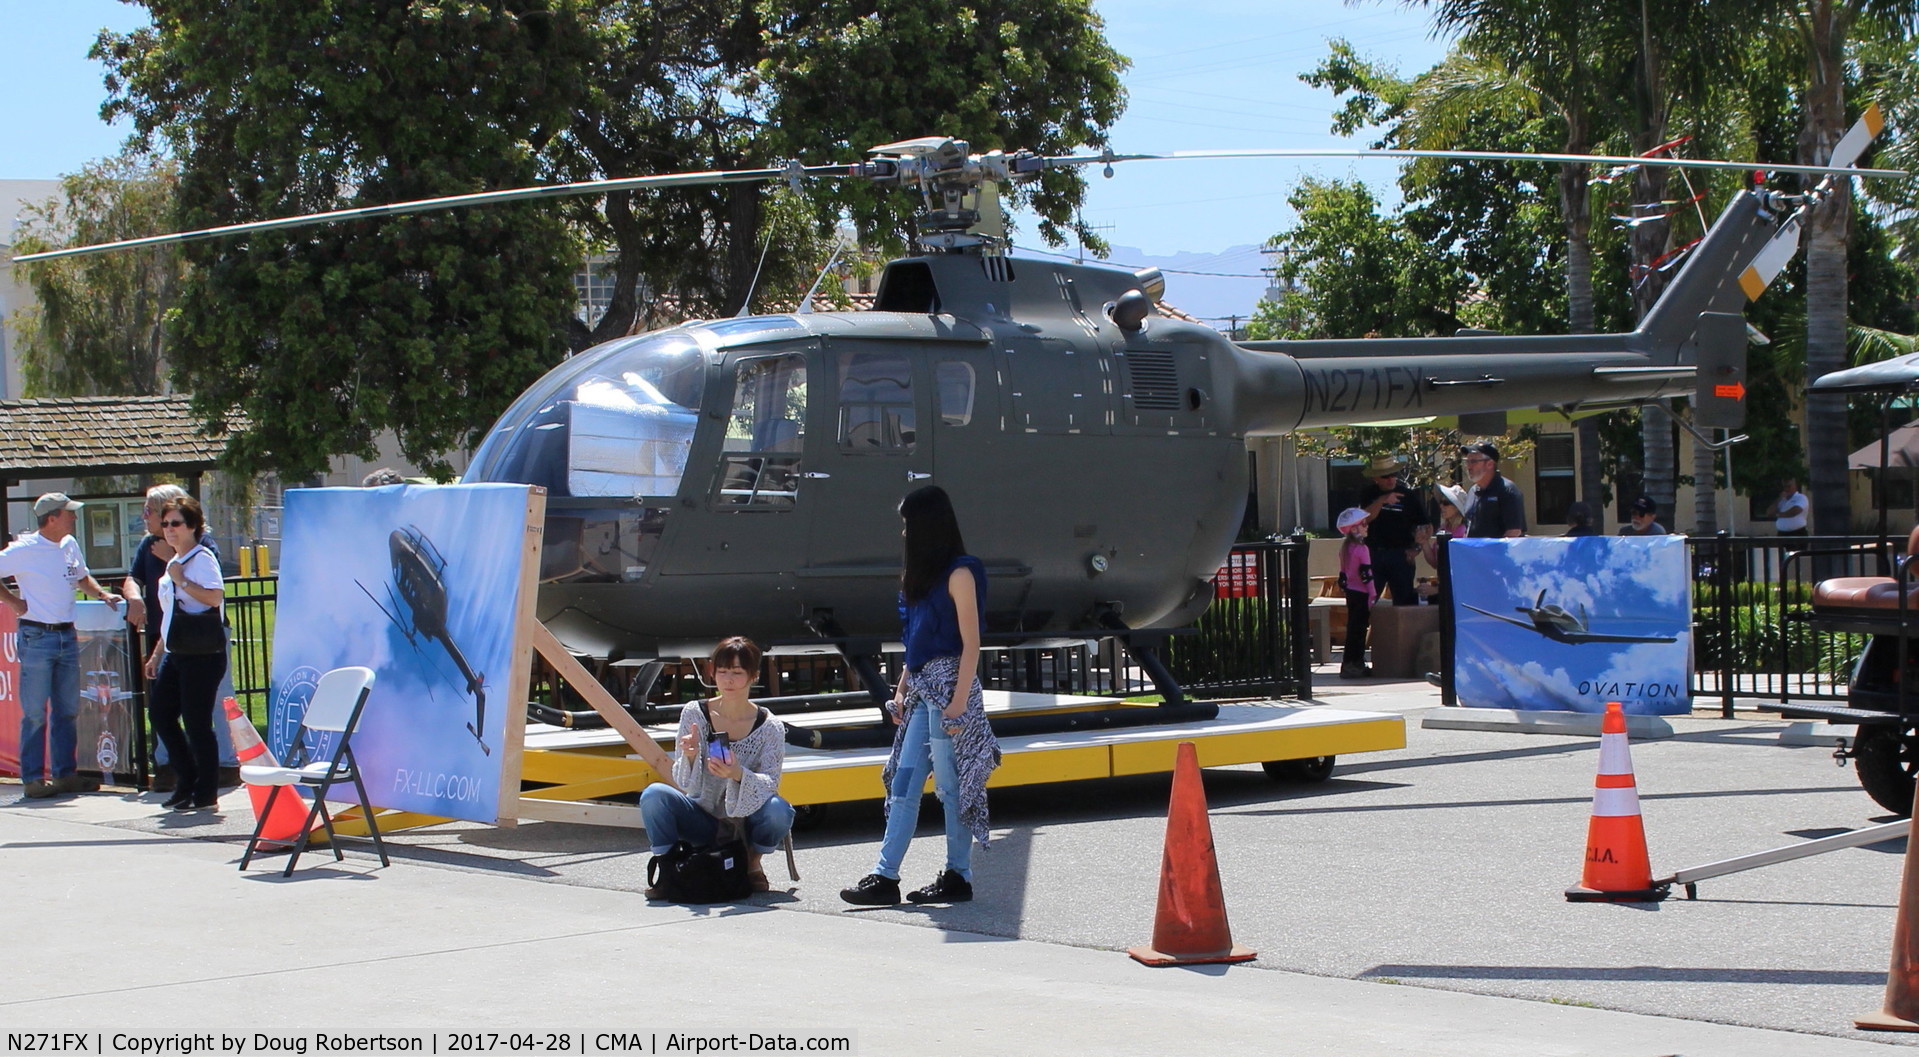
(719,747)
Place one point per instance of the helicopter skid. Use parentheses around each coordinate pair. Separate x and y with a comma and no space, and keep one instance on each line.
(589,766)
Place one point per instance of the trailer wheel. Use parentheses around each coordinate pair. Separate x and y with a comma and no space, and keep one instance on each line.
(1888,762)
(1310,769)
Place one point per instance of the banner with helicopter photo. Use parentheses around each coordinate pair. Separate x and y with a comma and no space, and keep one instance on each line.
(1569,624)
(431,587)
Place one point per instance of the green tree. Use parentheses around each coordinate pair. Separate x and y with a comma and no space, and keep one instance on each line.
(1823,29)
(428,324)
(96,327)
(704,84)
(1363,274)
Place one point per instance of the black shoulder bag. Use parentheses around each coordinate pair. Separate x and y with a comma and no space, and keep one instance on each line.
(196,634)
(715,874)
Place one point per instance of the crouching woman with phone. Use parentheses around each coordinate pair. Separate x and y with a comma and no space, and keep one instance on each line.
(731,752)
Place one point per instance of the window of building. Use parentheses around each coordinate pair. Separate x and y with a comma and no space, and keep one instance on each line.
(1344,479)
(593,290)
(1555,477)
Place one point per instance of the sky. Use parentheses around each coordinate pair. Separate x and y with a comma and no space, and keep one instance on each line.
(1206,74)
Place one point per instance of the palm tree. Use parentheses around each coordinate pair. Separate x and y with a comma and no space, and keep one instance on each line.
(1534,54)
(1822,29)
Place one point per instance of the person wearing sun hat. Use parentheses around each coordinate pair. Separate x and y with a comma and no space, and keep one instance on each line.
(48,566)
(1398,528)
(1356,580)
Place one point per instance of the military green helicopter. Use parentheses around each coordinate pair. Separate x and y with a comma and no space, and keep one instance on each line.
(740,476)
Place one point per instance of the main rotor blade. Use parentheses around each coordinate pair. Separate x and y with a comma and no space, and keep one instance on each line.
(1476,155)
(480,198)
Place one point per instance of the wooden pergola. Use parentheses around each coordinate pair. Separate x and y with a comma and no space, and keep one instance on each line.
(101,436)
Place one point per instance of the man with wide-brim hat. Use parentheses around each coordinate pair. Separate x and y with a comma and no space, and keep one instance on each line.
(1399,525)
(48,565)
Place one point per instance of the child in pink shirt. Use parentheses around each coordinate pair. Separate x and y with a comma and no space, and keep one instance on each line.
(1356,579)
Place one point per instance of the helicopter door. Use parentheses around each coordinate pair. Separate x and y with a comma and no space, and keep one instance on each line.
(880,449)
(749,523)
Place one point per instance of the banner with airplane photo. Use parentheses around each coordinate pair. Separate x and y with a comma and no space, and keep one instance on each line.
(1569,624)
(429,587)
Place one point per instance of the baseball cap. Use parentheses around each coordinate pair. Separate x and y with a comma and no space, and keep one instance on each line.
(1480,448)
(1350,518)
(53,503)
(1643,505)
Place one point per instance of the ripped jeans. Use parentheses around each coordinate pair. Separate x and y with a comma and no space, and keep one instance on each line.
(924,749)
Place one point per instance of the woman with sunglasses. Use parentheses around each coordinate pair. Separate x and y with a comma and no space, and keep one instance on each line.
(185,675)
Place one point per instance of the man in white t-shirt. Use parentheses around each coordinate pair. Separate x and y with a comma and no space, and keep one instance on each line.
(47,566)
(1789,511)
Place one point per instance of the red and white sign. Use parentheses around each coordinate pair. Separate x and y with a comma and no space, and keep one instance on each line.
(1238,578)
(9,692)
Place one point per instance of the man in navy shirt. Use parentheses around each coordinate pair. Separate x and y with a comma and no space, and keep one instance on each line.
(1497,509)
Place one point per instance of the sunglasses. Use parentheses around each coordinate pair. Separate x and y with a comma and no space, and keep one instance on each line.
(175,523)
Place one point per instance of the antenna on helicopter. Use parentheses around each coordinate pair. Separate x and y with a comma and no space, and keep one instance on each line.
(806,303)
(747,301)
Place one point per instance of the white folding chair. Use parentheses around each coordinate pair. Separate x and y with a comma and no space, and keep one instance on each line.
(335,709)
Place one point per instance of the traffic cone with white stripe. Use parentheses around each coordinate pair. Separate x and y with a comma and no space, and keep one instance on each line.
(1617,869)
(287,818)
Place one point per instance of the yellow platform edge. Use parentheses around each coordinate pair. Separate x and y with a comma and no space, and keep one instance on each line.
(570,774)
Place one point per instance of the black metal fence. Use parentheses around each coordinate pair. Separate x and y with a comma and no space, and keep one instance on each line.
(1252,641)
(251,602)
(1752,638)
(1751,600)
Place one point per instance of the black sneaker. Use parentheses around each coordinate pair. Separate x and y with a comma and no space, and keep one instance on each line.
(948,887)
(872,890)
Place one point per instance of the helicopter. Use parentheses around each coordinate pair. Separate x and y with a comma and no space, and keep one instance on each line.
(419,596)
(741,476)
(1559,625)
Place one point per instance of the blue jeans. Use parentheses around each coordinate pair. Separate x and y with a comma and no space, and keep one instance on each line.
(924,748)
(49,675)
(673,816)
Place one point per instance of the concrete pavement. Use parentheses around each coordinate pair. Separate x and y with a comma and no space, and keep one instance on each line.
(157,938)
(119,922)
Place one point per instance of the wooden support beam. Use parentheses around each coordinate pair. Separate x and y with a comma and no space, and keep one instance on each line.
(624,816)
(596,695)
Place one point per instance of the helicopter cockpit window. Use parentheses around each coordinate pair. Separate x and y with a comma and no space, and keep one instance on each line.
(760,465)
(615,421)
(876,402)
(954,383)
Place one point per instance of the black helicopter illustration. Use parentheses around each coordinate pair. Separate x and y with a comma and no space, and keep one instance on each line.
(419,597)
(1557,624)
(741,476)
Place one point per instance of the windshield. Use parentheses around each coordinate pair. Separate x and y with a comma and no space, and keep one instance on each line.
(616,420)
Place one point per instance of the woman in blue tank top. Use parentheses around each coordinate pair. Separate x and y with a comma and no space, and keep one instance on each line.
(942,723)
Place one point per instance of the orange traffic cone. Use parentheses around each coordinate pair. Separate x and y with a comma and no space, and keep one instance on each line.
(289,816)
(1901,1009)
(1190,927)
(1617,870)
